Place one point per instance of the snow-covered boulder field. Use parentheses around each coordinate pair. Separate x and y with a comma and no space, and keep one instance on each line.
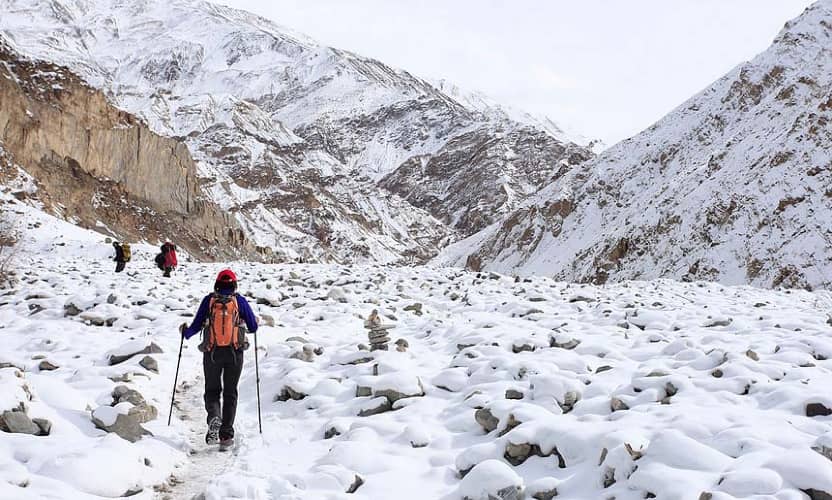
(507,388)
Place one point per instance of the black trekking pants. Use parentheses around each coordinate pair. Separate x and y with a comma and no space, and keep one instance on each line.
(222,368)
(120,266)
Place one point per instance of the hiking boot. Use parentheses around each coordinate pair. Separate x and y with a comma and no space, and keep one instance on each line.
(213,434)
(226,443)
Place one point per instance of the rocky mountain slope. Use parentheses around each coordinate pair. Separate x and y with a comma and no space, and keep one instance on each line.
(293,138)
(733,186)
(63,144)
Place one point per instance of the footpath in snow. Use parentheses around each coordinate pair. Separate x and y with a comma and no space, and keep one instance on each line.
(501,387)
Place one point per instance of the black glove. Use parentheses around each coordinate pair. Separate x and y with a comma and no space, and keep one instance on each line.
(182,328)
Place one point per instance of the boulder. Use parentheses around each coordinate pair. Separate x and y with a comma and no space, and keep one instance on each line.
(617,404)
(46,366)
(402,345)
(486,419)
(287,393)
(513,394)
(149,364)
(357,482)
(18,422)
(817,410)
(141,411)
(71,309)
(568,344)
(133,349)
(491,480)
(124,425)
(376,406)
(44,425)
(416,308)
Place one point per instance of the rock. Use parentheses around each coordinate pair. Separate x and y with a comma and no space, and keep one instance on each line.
(331,433)
(545,494)
(151,348)
(580,298)
(376,406)
(44,425)
(670,390)
(513,394)
(46,366)
(111,299)
(297,339)
(141,411)
(602,369)
(569,401)
(617,404)
(516,454)
(706,495)
(357,482)
(288,393)
(491,480)
(817,494)
(826,451)
(817,410)
(518,348)
(717,373)
(402,345)
(486,420)
(18,422)
(753,355)
(718,322)
(511,423)
(416,308)
(569,344)
(71,309)
(363,391)
(124,426)
(149,364)
(394,395)
(363,347)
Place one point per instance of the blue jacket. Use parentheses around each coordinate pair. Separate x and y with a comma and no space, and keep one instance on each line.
(202,314)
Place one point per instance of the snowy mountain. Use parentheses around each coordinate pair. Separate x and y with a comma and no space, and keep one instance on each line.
(292,138)
(732,186)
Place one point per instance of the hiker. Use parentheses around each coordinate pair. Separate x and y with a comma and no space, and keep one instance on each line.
(166,260)
(220,317)
(119,258)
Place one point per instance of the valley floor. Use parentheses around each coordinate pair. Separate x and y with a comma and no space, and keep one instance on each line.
(644,389)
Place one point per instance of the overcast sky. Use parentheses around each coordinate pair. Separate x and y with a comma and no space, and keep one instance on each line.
(602,68)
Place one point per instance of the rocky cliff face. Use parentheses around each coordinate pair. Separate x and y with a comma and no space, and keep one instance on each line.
(294,138)
(733,186)
(102,167)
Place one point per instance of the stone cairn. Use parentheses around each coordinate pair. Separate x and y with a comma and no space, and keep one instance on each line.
(377,332)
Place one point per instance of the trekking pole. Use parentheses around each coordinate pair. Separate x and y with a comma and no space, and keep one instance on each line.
(257,378)
(176,377)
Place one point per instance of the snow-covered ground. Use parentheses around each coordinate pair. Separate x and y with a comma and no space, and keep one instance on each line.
(710,384)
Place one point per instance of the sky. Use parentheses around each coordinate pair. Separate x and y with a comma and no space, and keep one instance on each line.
(603,69)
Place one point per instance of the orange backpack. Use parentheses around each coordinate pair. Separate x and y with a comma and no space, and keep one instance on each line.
(223,328)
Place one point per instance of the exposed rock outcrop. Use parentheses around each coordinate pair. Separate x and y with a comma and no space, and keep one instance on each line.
(94,162)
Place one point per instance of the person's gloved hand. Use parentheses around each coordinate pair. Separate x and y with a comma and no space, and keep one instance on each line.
(182,328)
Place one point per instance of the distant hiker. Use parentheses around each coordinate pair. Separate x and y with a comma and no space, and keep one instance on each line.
(122,255)
(220,317)
(166,259)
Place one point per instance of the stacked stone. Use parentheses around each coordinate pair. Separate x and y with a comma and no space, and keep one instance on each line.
(377,332)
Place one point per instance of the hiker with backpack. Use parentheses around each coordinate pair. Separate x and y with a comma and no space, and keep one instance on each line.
(166,259)
(122,255)
(223,318)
